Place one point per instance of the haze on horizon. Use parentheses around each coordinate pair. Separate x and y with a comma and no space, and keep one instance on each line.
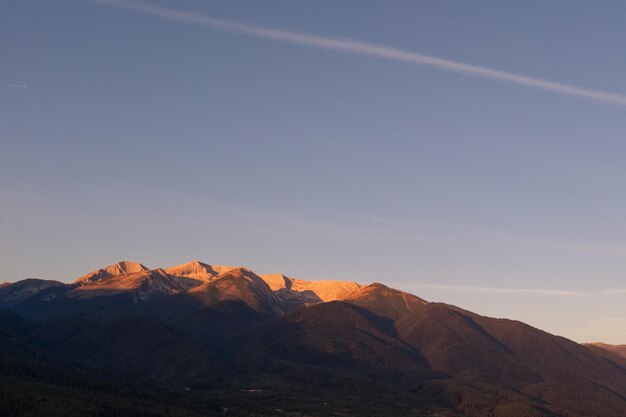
(163,141)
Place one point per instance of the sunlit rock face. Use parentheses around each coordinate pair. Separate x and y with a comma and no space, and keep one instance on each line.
(198,270)
(117,269)
(294,292)
(145,284)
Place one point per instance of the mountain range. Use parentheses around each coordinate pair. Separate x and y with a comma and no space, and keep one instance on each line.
(200,339)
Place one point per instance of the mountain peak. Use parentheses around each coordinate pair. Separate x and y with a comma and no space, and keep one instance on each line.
(198,270)
(117,269)
(192,267)
(125,267)
(385,301)
(240,271)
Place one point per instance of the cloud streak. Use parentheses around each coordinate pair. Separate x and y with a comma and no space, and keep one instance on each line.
(366,49)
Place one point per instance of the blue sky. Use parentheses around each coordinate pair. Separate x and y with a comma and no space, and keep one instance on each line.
(161,141)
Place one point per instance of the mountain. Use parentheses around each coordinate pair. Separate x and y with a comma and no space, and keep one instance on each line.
(270,345)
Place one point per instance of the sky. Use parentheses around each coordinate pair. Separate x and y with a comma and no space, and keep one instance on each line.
(469,153)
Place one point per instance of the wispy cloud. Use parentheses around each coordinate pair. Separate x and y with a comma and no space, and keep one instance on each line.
(519,291)
(367,49)
(614,291)
(408,230)
(608,329)
(552,243)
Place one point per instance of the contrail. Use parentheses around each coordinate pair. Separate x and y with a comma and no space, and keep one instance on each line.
(363,48)
(13,85)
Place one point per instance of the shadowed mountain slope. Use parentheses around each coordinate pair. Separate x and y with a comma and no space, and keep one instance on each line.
(131,345)
(359,341)
(14,293)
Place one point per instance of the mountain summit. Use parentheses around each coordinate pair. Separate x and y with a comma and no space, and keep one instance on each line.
(198,270)
(117,269)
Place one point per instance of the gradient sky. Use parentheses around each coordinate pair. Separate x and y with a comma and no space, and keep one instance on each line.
(128,136)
